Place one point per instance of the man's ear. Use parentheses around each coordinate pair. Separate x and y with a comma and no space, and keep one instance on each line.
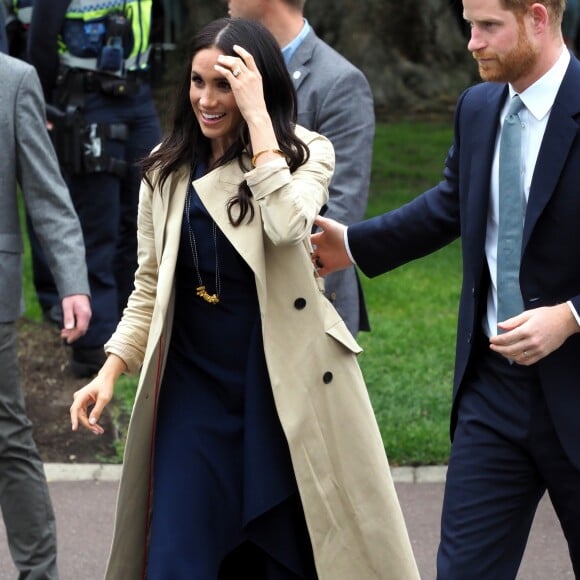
(540,19)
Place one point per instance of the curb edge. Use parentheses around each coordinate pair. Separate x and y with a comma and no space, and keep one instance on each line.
(110,472)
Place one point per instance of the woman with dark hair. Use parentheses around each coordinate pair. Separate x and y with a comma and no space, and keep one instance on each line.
(253,449)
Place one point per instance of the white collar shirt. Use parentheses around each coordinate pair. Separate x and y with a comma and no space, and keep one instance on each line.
(538,100)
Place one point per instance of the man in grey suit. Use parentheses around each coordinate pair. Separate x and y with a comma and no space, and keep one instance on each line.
(28,160)
(334,99)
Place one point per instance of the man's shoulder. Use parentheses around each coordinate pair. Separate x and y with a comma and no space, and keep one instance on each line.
(483,92)
(327,58)
(12,65)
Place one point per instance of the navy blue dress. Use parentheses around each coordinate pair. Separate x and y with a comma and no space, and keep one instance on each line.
(225,501)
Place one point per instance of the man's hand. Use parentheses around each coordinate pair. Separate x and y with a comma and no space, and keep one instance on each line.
(329,253)
(534,334)
(76,314)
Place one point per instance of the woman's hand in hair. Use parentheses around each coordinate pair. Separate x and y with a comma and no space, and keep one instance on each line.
(246,83)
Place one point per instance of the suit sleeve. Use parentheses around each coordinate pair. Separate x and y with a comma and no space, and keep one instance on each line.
(420,227)
(347,118)
(45,193)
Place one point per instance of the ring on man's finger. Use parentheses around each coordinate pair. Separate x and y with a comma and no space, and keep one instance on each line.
(236,72)
(525,354)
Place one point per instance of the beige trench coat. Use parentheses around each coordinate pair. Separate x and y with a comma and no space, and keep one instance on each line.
(352,512)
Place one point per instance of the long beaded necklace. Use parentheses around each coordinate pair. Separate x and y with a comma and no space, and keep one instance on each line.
(200,290)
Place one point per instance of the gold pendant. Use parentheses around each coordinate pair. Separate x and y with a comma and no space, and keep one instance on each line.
(210,298)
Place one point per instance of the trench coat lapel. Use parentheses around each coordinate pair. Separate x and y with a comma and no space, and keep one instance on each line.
(214,189)
(167,210)
(167,214)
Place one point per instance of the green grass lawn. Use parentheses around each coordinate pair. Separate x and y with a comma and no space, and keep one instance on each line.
(408,356)
(33,311)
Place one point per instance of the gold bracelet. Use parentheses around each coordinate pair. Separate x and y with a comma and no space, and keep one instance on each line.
(255,157)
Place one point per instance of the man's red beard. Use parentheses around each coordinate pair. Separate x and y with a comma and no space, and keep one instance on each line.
(511,66)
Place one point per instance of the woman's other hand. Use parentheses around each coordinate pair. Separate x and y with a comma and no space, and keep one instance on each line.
(90,401)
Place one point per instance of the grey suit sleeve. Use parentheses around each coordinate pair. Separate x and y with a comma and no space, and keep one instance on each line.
(45,192)
(347,118)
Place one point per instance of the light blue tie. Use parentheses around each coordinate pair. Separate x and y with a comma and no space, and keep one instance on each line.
(511,215)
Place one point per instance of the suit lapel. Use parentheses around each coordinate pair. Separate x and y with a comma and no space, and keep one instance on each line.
(299,65)
(481,128)
(561,133)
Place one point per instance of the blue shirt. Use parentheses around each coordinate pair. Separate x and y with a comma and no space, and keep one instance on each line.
(289,50)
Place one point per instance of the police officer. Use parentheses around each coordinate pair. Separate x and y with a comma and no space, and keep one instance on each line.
(93,63)
(17,14)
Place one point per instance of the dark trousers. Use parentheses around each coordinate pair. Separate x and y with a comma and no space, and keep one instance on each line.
(24,497)
(107,208)
(505,455)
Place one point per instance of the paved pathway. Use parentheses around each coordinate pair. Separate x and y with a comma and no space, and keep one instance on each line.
(84,500)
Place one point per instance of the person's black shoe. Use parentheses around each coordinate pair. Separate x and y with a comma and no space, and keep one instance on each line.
(53,315)
(86,362)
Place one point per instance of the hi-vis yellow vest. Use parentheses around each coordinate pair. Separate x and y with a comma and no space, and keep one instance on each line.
(22,10)
(82,34)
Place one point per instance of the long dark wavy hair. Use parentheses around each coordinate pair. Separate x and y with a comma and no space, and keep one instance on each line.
(185,143)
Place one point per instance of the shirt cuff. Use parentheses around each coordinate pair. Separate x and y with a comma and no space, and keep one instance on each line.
(347,247)
(574,313)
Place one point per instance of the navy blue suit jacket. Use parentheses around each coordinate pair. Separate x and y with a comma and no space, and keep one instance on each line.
(458,206)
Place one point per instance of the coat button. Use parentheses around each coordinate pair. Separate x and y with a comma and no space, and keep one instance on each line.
(299,303)
(327,377)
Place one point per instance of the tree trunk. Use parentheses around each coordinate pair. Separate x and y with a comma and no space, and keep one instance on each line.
(413,52)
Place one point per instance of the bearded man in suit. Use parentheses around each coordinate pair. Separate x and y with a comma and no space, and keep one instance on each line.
(335,100)
(514,419)
(28,160)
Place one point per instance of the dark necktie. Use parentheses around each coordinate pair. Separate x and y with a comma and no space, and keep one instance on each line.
(511,215)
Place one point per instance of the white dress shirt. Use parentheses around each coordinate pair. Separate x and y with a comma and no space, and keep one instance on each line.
(538,100)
